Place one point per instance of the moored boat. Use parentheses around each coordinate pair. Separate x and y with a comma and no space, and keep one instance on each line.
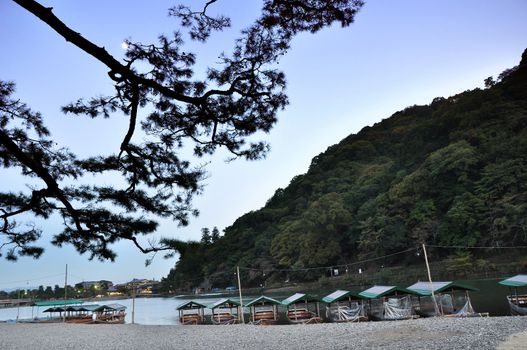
(451,299)
(303,308)
(225,311)
(345,306)
(388,303)
(191,313)
(517,302)
(263,310)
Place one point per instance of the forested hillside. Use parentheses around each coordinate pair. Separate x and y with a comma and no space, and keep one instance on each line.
(453,172)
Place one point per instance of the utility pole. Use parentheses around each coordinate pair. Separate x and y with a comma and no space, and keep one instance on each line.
(133,301)
(65,292)
(430,280)
(240,291)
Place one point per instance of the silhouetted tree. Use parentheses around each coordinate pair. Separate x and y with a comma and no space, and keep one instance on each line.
(237,99)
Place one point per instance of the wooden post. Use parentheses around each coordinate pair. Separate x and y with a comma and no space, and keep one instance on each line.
(65,292)
(430,280)
(240,292)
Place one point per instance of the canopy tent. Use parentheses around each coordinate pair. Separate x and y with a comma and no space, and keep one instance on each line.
(303,308)
(191,312)
(388,302)
(264,310)
(516,281)
(445,293)
(57,302)
(517,303)
(426,288)
(225,317)
(344,306)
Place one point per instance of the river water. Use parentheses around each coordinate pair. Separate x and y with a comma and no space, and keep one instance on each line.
(162,311)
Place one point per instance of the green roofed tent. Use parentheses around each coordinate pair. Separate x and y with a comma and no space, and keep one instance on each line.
(425,288)
(263,300)
(189,305)
(341,295)
(377,292)
(57,302)
(516,281)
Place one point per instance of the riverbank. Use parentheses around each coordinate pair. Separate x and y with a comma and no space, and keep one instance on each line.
(431,333)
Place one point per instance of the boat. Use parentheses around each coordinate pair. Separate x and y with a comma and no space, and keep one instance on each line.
(388,303)
(191,313)
(225,312)
(263,310)
(303,309)
(517,302)
(451,299)
(345,306)
(109,314)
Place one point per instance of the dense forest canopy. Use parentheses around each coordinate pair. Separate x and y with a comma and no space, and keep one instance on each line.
(156,88)
(453,172)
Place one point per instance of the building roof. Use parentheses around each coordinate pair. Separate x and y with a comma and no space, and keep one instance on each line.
(424,288)
(225,302)
(341,295)
(516,281)
(383,291)
(298,297)
(189,305)
(263,300)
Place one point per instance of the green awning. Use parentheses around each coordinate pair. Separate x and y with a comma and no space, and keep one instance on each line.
(516,281)
(189,305)
(341,295)
(263,300)
(57,302)
(425,288)
(376,292)
(300,297)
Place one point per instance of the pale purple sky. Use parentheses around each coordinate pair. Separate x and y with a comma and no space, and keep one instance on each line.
(396,54)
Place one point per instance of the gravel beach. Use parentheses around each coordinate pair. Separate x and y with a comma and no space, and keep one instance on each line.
(431,333)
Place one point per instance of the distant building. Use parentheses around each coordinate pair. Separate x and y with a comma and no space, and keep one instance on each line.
(102,284)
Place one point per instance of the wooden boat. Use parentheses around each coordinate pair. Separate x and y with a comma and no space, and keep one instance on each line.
(451,299)
(191,313)
(80,314)
(303,309)
(109,314)
(225,312)
(264,311)
(345,306)
(517,302)
(388,303)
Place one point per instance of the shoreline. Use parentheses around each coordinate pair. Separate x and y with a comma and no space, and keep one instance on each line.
(429,333)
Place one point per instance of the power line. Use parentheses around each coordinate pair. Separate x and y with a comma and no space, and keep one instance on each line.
(32,279)
(475,247)
(331,266)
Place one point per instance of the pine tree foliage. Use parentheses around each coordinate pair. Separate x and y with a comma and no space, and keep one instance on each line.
(155,88)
